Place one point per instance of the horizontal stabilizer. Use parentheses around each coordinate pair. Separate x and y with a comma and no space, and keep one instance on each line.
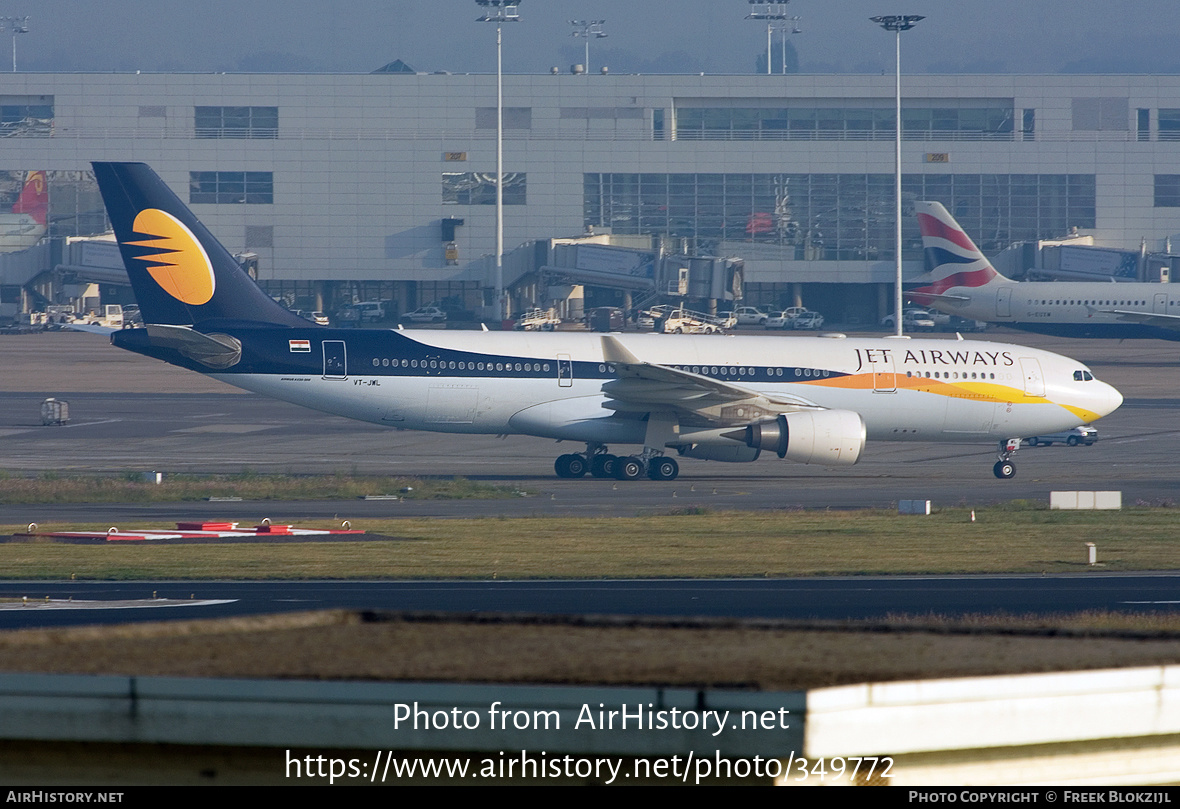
(214,350)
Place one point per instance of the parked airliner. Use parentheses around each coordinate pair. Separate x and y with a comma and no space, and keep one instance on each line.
(808,399)
(964,283)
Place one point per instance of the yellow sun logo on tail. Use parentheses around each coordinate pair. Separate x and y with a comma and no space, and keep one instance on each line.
(181,266)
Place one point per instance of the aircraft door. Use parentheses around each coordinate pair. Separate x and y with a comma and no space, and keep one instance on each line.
(335,360)
(884,376)
(565,371)
(1160,304)
(1034,380)
(1004,302)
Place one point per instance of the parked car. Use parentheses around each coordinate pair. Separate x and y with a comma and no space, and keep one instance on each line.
(786,318)
(749,316)
(370,311)
(778,320)
(318,318)
(1075,437)
(425,314)
(808,321)
(911,320)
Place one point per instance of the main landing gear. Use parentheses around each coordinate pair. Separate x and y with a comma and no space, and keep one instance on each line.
(1005,468)
(601,464)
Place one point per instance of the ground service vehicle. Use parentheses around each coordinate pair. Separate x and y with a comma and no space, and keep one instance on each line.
(1075,437)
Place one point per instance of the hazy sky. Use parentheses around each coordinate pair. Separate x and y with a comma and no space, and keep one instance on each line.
(713,36)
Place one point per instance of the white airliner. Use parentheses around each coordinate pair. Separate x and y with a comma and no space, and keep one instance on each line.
(27,223)
(964,283)
(808,399)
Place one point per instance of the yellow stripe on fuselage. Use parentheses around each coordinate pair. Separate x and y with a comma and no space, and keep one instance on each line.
(976,391)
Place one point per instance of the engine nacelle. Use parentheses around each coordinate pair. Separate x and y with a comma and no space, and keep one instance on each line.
(809,436)
(729,452)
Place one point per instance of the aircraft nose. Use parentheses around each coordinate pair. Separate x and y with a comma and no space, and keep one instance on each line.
(1108,399)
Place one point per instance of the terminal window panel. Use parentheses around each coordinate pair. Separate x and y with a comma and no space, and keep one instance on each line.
(231,187)
(1167,191)
(1169,125)
(829,217)
(479,188)
(26,116)
(236,122)
(822,123)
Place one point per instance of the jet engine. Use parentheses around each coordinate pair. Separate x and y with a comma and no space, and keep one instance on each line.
(834,437)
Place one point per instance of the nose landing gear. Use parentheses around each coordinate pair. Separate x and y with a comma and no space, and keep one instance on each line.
(1005,468)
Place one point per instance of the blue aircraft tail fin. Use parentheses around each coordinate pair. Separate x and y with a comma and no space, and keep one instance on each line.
(180,273)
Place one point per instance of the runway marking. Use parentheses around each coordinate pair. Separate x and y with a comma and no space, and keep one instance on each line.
(226,428)
(1149,602)
(62,604)
(23,430)
(1152,437)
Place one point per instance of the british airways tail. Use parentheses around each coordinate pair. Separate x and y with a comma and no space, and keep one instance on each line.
(180,273)
(952,259)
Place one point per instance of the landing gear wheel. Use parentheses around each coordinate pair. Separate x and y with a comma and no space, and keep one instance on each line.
(578,466)
(1004,470)
(1032,442)
(603,466)
(663,468)
(628,468)
(570,466)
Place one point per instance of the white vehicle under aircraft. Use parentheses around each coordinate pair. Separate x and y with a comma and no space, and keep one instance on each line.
(964,283)
(808,399)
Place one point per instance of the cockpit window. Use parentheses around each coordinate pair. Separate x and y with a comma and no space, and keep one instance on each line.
(1082,376)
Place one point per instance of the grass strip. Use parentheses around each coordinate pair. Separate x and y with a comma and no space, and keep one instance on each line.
(131,487)
(723,544)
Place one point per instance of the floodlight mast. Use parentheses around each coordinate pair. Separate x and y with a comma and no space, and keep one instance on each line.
(18,25)
(776,17)
(587,29)
(897,23)
(500,12)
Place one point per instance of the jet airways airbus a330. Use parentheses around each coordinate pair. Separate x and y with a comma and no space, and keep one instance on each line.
(808,399)
(964,283)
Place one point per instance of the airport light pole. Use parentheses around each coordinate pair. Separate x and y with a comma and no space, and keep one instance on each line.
(791,25)
(897,23)
(587,29)
(775,15)
(500,12)
(18,25)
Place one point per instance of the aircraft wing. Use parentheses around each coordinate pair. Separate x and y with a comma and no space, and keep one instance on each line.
(92,328)
(697,400)
(1147,318)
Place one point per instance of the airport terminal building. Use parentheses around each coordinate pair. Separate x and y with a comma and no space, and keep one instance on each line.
(356,187)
